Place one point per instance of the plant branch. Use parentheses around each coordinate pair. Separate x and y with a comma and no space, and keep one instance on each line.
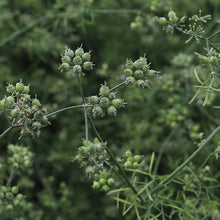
(114,160)
(178,169)
(6,131)
(67,108)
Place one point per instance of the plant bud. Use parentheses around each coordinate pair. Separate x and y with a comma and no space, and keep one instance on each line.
(112,111)
(104,102)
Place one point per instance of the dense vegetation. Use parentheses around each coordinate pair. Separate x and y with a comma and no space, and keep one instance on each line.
(169,50)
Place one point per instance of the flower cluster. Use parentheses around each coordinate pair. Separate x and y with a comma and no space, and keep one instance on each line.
(93,157)
(139,73)
(19,157)
(23,111)
(107,102)
(76,61)
(10,198)
(131,161)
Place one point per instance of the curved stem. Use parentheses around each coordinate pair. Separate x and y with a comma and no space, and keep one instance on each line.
(178,169)
(11,177)
(84,109)
(67,108)
(5,132)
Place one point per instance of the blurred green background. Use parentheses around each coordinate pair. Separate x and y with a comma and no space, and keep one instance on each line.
(33,35)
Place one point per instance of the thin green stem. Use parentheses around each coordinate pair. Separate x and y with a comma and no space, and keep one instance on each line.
(84,109)
(11,177)
(213,34)
(115,87)
(178,169)
(67,108)
(5,132)
(162,150)
(114,160)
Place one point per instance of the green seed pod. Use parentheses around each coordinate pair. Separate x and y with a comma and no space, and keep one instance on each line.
(127,164)
(77,60)
(9,207)
(69,53)
(139,74)
(104,102)
(19,197)
(130,81)
(138,19)
(128,154)
(3,189)
(128,72)
(78,158)
(10,88)
(79,51)
(104,90)
(77,69)
(97,111)
(5,103)
(36,125)
(44,120)
(118,103)
(93,100)
(146,68)
(103,174)
(10,100)
(35,102)
(135,165)
(105,188)
(26,89)
(86,56)
(137,158)
(172,17)
(90,170)
(14,189)
(96,185)
(9,195)
(65,67)
(129,64)
(27,163)
(112,95)
(162,21)
(66,59)
(87,66)
(102,181)
(110,181)
(112,111)
(140,83)
(2,195)
(19,87)
(134,25)
(151,73)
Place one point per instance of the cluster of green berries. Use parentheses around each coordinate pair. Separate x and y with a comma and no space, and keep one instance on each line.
(19,157)
(194,133)
(76,61)
(107,102)
(132,161)
(10,199)
(93,158)
(212,57)
(137,23)
(139,73)
(173,21)
(24,111)
(173,116)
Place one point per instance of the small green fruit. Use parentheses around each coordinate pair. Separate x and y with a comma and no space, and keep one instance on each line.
(19,87)
(104,102)
(77,60)
(110,181)
(87,66)
(104,90)
(86,56)
(79,51)
(112,111)
(128,154)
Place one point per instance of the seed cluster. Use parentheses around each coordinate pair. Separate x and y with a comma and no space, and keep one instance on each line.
(93,157)
(19,157)
(76,61)
(131,161)
(139,73)
(24,111)
(10,198)
(107,102)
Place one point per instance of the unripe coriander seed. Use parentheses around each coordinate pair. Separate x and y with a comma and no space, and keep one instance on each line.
(93,99)
(118,103)
(112,111)
(128,154)
(87,66)
(79,51)
(77,60)
(19,87)
(104,102)
(66,59)
(162,21)
(104,90)
(172,17)
(77,69)
(130,81)
(86,56)
(5,103)
(69,53)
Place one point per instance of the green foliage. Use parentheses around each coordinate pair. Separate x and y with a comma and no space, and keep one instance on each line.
(158,159)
